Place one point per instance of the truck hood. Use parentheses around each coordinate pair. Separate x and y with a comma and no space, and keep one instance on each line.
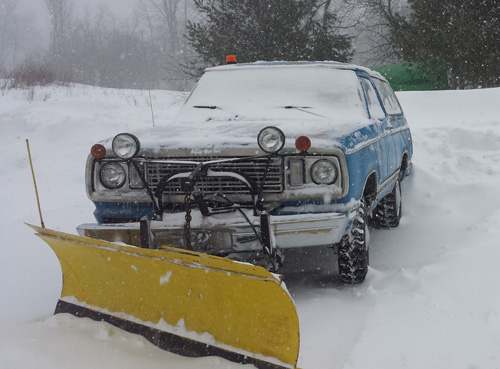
(240,137)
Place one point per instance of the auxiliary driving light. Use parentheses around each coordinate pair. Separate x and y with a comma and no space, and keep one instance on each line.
(271,139)
(125,145)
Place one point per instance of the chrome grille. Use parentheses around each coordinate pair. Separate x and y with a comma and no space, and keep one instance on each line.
(253,169)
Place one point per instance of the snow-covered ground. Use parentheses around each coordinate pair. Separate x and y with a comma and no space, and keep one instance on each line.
(430,300)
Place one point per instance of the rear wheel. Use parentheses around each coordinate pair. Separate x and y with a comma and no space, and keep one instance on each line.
(387,214)
(353,255)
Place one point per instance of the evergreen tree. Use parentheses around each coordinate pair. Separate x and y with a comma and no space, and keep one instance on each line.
(267,30)
(464,35)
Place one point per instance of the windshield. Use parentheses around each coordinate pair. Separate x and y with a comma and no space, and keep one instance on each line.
(272,93)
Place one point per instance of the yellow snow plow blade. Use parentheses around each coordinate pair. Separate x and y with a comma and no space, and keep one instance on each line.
(185,302)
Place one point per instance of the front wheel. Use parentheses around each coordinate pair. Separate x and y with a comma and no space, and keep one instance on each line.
(353,255)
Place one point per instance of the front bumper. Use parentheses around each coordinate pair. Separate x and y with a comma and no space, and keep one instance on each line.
(229,233)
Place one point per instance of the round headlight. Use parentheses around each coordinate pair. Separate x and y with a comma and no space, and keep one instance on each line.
(125,145)
(113,175)
(324,172)
(271,139)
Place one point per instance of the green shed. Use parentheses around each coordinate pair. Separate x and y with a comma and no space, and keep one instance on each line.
(414,76)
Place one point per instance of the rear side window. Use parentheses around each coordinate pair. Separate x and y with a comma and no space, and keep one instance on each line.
(372,99)
(388,97)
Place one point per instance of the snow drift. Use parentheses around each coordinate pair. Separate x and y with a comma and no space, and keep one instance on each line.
(430,299)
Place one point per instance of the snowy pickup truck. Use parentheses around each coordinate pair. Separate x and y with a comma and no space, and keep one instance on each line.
(261,157)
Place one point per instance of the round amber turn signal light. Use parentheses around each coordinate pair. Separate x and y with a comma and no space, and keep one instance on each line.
(98,151)
(303,143)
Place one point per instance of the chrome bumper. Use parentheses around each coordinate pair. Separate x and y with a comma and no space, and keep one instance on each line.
(227,233)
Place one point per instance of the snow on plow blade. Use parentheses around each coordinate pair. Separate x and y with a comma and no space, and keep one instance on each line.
(185,302)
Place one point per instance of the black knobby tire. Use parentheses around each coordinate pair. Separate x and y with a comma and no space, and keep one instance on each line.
(387,214)
(353,249)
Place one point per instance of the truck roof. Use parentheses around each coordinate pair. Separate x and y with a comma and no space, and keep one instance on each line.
(299,64)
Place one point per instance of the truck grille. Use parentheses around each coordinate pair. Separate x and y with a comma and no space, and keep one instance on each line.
(253,169)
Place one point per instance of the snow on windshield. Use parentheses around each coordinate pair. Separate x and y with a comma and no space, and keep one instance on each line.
(292,93)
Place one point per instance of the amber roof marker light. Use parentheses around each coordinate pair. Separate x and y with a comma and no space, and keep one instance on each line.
(303,143)
(231,59)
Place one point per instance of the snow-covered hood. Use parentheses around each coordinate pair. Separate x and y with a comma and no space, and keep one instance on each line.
(240,137)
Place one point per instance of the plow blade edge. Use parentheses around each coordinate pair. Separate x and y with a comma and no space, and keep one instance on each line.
(185,302)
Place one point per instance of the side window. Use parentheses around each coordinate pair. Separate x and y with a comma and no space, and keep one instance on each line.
(372,99)
(388,97)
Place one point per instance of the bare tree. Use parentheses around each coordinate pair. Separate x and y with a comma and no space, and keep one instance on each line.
(164,23)
(17,34)
(8,26)
(369,22)
(61,12)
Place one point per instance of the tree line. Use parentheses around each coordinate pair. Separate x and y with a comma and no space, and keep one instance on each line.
(167,43)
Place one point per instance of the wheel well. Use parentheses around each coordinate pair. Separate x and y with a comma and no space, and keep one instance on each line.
(404,167)
(370,190)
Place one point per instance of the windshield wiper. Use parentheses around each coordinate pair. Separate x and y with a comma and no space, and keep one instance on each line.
(214,107)
(206,107)
(297,107)
(302,108)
